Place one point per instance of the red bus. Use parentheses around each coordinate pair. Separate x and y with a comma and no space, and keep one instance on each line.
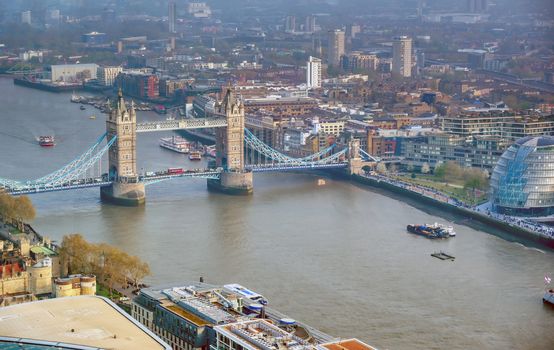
(173,171)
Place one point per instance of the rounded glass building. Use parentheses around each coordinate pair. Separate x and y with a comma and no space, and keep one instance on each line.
(522,182)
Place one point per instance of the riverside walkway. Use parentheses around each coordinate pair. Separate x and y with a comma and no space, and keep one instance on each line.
(538,228)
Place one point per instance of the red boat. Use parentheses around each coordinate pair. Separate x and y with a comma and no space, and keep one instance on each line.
(46,141)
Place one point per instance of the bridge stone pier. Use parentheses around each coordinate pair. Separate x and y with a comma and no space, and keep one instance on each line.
(355,163)
(126,188)
(234,179)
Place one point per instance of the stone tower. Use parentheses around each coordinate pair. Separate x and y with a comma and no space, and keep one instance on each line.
(123,154)
(353,155)
(230,140)
(230,149)
(122,123)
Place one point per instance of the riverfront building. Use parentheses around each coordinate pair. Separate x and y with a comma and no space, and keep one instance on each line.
(107,75)
(481,152)
(522,182)
(503,125)
(199,316)
(73,72)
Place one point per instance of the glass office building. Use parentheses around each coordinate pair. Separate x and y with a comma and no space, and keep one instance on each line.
(522,182)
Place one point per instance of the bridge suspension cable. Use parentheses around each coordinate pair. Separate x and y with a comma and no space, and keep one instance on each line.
(72,171)
(256,144)
(76,163)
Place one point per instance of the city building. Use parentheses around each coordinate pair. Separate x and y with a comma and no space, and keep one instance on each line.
(74,285)
(507,126)
(434,149)
(138,84)
(94,38)
(26,270)
(199,316)
(290,24)
(358,61)
(331,127)
(172,16)
(353,30)
(522,181)
(168,87)
(74,72)
(199,10)
(26,17)
(281,106)
(335,47)
(257,335)
(402,56)
(313,73)
(477,6)
(84,322)
(309,26)
(184,316)
(107,75)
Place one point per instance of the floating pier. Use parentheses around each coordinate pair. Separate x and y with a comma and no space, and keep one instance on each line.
(443,256)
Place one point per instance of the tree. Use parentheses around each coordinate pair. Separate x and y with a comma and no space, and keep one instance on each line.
(138,270)
(111,265)
(24,210)
(381,168)
(425,169)
(16,209)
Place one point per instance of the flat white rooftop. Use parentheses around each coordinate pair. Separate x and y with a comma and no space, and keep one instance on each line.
(84,320)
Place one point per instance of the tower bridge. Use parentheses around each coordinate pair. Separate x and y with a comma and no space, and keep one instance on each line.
(123,184)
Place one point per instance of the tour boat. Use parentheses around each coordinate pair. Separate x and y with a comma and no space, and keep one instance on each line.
(46,141)
(176,144)
(195,155)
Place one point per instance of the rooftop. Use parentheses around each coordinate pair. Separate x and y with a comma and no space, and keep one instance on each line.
(185,314)
(84,320)
(536,141)
(262,335)
(349,344)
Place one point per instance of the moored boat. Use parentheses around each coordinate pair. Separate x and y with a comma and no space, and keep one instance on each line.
(176,144)
(195,155)
(46,141)
(445,229)
(423,230)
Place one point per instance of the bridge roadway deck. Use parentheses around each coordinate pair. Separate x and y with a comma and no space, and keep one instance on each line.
(181,124)
(160,176)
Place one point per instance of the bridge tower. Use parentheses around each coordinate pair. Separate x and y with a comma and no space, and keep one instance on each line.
(230,149)
(126,188)
(354,159)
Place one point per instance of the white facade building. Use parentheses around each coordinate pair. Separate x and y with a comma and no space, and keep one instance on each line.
(26,17)
(313,73)
(107,75)
(402,56)
(74,72)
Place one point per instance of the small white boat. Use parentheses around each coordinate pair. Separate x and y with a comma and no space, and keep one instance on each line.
(448,229)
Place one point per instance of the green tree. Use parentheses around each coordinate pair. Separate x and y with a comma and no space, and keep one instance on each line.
(110,264)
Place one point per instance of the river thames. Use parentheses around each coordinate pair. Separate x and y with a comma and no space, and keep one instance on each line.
(335,256)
